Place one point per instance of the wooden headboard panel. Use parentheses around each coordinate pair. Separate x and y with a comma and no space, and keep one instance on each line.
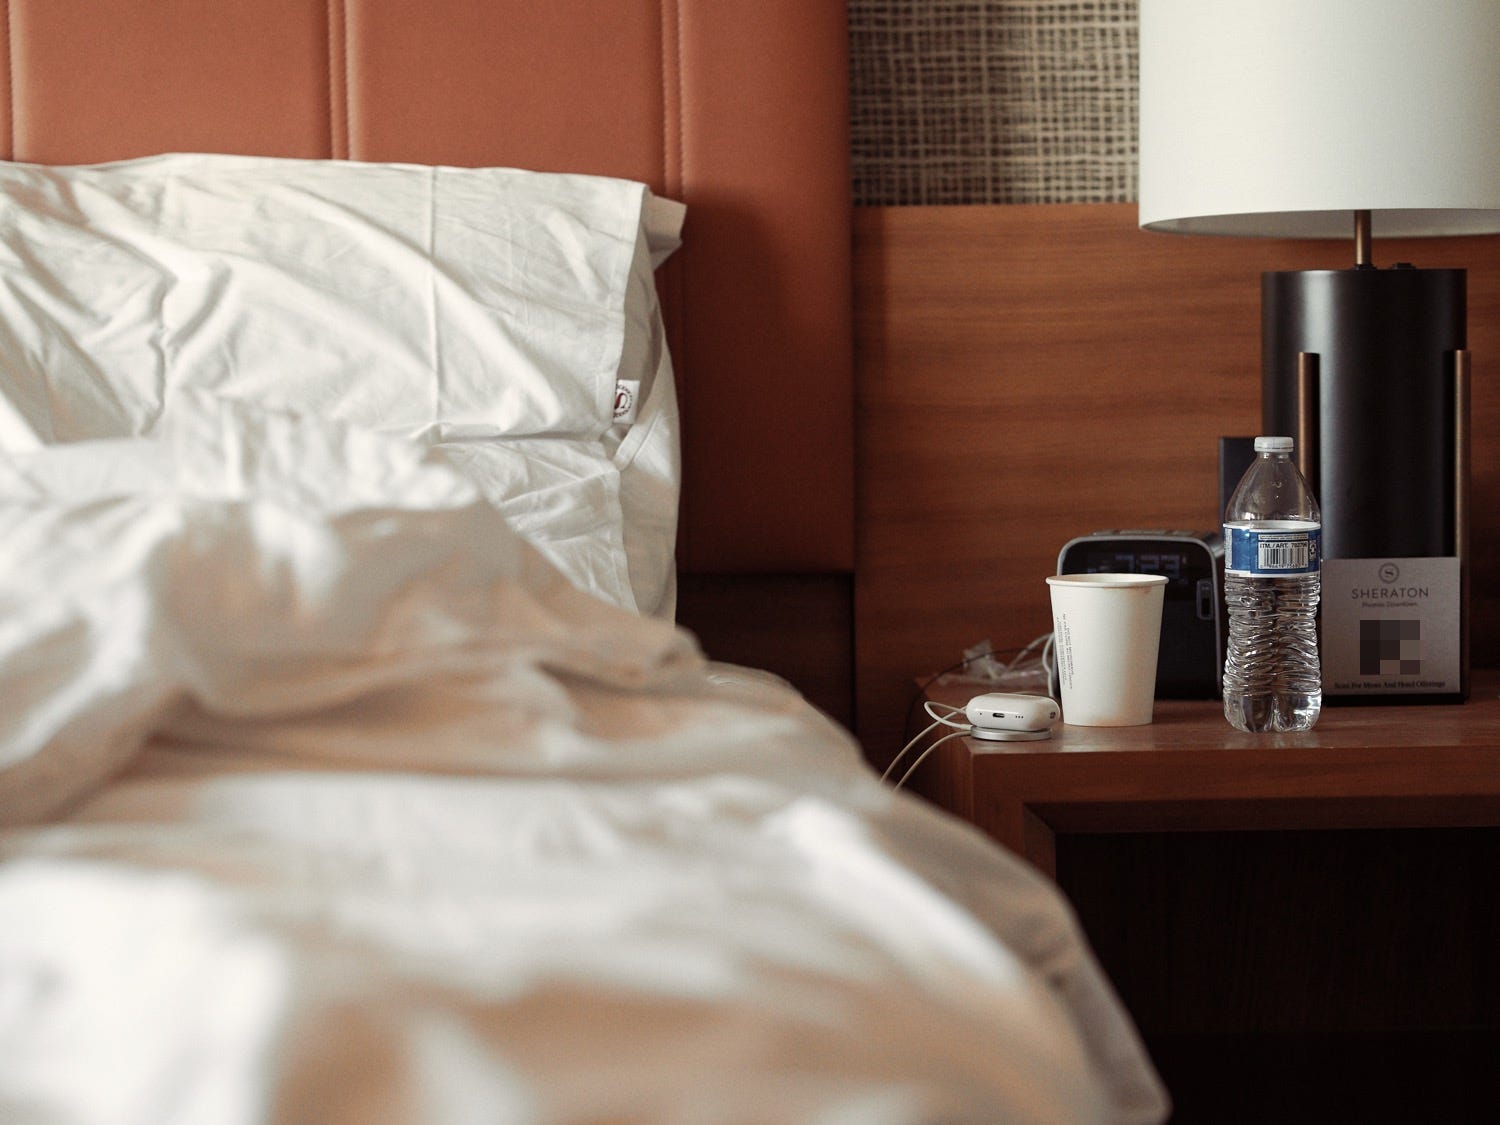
(737,109)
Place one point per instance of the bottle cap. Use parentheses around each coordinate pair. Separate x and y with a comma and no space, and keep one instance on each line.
(1273,445)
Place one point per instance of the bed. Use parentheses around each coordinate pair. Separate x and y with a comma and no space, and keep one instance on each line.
(370,373)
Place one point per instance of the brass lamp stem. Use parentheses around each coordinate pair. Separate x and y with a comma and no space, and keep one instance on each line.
(1363,257)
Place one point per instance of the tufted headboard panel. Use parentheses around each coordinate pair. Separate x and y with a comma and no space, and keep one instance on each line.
(739,110)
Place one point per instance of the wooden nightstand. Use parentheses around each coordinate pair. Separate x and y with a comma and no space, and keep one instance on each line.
(1305,927)
(1417,765)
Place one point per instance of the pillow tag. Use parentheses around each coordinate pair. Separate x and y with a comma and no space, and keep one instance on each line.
(627,400)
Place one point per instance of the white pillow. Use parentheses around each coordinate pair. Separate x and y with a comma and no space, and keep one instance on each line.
(605,512)
(448,304)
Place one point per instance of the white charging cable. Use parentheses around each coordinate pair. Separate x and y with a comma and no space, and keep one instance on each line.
(994,717)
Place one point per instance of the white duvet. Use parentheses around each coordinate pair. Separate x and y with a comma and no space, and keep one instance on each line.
(327,800)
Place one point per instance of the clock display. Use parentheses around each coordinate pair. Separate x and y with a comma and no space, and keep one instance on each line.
(1107,560)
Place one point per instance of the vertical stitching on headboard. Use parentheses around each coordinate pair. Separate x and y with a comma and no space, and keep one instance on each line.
(9,32)
(338,79)
(673,152)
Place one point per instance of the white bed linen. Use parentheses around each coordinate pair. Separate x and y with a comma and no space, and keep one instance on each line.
(467,302)
(465,305)
(328,799)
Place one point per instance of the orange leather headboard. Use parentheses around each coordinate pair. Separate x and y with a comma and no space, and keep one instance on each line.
(739,110)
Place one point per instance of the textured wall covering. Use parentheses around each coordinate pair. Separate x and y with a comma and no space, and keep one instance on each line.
(993,101)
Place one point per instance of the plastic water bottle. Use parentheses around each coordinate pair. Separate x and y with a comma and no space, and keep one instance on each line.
(1272,557)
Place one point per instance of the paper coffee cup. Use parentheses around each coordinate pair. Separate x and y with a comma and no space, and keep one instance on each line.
(1106,632)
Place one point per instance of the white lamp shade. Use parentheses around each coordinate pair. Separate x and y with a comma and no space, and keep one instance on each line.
(1282,117)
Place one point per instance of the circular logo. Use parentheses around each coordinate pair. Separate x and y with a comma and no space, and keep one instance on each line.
(624,402)
(1389,572)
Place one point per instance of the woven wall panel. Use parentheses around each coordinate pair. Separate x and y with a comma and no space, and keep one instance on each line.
(993,101)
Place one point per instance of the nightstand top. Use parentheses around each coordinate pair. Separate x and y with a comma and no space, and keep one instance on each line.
(1187,725)
(1367,765)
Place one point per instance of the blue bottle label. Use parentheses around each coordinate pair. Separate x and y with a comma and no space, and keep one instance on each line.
(1274,549)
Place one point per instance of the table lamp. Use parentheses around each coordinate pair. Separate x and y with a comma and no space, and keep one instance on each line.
(1351,119)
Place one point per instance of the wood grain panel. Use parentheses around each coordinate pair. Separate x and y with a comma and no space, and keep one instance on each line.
(798,626)
(1031,373)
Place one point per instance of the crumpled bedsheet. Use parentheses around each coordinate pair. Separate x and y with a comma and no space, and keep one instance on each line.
(326,799)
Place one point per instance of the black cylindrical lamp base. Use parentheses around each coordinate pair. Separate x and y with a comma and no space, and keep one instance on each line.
(1377,346)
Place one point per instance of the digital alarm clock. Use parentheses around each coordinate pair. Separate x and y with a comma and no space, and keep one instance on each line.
(1190,662)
